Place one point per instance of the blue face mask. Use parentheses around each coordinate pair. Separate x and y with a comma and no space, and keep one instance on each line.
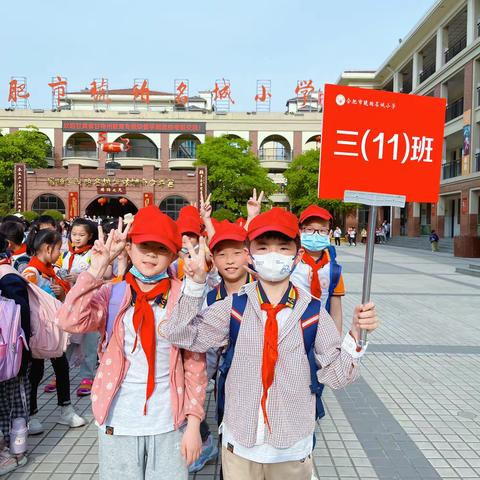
(314,242)
(153,279)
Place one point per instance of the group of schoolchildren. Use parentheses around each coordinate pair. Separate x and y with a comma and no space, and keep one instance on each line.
(170,308)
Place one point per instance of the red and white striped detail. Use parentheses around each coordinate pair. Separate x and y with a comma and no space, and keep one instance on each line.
(236,315)
(309,321)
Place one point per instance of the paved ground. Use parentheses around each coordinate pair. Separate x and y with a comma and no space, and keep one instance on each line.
(415,414)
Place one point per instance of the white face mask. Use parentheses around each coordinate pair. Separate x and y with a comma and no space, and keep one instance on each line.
(273,267)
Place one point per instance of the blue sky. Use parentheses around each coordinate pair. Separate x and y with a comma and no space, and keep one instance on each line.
(280,40)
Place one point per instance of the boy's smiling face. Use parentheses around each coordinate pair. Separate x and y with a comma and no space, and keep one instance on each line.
(150,258)
(230,257)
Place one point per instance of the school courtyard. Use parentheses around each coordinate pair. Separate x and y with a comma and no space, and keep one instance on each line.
(414,414)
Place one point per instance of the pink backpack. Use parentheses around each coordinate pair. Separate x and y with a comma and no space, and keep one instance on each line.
(47,340)
(12,339)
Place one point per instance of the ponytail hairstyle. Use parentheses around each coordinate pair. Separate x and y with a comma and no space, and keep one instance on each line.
(90,227)
(36,238)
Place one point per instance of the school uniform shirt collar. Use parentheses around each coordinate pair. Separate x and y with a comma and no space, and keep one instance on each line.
(289,298)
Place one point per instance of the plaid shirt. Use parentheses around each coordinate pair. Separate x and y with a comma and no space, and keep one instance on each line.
(291,405)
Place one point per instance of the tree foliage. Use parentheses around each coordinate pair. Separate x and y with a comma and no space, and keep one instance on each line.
(23,146)
(302,185)
(233,172)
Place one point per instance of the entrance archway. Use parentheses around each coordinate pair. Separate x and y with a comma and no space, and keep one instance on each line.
(113,206)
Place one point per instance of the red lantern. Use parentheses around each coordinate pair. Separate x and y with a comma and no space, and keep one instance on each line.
(123,201)
(102,201)
(117,147)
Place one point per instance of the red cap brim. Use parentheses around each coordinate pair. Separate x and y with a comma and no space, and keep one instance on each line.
(289,232)
(226,236)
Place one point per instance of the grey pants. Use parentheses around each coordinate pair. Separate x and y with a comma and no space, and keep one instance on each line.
(90,345)
(153,457)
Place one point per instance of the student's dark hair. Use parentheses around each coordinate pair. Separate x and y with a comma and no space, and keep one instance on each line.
(90,227)
(13,231)
(3,243)
(279,237)
(13,218)
(36,238)
(48,220)
(108,226)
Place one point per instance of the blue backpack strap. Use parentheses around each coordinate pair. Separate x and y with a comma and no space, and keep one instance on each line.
(309,324)
(335,273)
(239,302)
(116,297)
(212,296)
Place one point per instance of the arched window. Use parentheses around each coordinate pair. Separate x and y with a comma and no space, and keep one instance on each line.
(48,202)
(185,146)
(140,146)
(172,205)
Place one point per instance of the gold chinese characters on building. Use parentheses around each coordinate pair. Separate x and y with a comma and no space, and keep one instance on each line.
(111,182)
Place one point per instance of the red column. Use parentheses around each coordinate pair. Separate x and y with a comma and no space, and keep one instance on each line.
(297,144)
(165,150)
(253,137)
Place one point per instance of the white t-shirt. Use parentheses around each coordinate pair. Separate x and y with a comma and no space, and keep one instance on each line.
(126,412)
(81,262)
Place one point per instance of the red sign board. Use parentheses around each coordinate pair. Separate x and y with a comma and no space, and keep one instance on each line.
(130,126)
(73,210)
(115,190)
(381,142)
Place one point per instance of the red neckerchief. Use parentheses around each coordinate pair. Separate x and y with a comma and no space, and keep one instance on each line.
(315,288)
(73,252)
(144,326)
(6,261)
(270,340)
(48,271)
(20,250)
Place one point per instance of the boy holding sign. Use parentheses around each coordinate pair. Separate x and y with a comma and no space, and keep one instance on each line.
(280,346)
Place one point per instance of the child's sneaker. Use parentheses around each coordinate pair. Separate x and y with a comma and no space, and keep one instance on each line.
(9,462)
(209,452)
(51,387)
(69,417)
(35,427)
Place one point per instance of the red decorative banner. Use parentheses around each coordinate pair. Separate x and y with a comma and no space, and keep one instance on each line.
(20,187)
(73,205)
(147,199)
(201,183)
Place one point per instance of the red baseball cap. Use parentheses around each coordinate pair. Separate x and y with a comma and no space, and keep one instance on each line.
(226,230)
(315,211)
(151,225)
(275,220)
(189,220)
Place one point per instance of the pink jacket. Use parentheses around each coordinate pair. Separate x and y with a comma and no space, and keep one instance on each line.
(85,310)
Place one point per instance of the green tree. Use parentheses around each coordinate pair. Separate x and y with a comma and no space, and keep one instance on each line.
(233,172)
(23,146)
(302,185)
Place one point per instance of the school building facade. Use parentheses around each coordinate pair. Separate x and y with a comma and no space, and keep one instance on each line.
(159,166)
(441,57)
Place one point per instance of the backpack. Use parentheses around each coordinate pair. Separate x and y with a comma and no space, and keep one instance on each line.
(47,339)
(12,339)
(309,324)
(335,272)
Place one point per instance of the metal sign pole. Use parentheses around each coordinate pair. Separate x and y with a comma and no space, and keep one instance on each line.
(374,200)
(368,267)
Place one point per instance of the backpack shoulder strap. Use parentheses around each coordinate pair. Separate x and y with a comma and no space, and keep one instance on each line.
(335,273)
(239,302)
(309,324)
(212,296)
(116,297)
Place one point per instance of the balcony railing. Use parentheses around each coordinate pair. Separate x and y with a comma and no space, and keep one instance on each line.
(426,72)
(184,152)
(454,109)
(139,152)
(451,169)
(476,164)
(69,152)
(406,87)
(455,49)
(274,155)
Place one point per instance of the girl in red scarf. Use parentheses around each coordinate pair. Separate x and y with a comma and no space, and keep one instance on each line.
(44,247)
